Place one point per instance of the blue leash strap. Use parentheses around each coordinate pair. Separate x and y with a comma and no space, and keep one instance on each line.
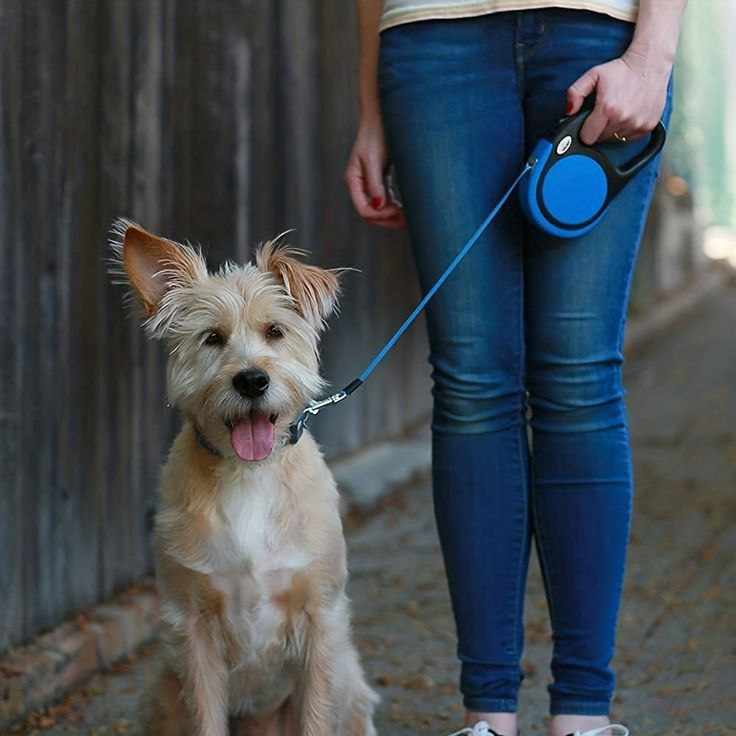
(297,427)
(441,280)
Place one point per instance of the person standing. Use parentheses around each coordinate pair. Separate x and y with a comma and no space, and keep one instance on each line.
(454,95)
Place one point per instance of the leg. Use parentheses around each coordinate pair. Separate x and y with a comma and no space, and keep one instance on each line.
(354,699)
(205,679)
(453,123)
(164,712)
(331,696)
(313,697)
(577,295)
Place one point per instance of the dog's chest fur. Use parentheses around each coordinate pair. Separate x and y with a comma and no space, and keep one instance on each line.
(251,550)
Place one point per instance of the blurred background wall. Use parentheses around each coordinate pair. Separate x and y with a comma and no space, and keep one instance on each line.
(221,122)
(693,216)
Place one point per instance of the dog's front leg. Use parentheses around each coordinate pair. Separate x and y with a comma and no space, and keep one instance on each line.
(206,679)
(315,706)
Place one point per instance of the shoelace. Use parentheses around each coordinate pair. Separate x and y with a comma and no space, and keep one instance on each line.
(480,729)
(616,729)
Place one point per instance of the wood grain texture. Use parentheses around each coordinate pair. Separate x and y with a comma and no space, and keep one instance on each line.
(222,123)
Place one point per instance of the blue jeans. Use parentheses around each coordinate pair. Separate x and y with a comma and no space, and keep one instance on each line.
(525,319)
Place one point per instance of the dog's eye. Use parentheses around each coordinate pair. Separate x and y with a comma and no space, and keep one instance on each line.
(214,338)
(274,332)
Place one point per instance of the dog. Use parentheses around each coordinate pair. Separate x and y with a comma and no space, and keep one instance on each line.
(249,548)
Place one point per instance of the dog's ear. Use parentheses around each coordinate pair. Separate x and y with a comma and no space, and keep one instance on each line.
(315,290)
(153,265)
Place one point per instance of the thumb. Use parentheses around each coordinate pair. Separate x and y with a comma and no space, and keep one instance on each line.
(580,89)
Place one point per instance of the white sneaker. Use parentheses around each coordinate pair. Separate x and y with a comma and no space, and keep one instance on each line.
(616,729)
(480,729)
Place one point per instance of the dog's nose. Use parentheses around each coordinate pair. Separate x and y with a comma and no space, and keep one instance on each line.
(251,383)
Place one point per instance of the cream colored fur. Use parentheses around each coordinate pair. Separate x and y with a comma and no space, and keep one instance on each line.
(250,556)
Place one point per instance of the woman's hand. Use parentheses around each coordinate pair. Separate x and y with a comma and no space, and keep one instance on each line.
(364,175)
(631,93)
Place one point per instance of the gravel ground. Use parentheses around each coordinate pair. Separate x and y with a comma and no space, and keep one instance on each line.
(676,659)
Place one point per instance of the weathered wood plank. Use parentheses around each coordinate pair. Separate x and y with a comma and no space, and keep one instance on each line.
(11,303)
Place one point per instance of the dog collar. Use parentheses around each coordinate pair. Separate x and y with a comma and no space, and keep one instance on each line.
(204,442)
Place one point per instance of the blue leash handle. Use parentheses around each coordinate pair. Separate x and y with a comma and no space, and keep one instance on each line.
(298,426)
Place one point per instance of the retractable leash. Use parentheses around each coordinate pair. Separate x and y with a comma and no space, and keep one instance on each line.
(570,189)
(573,184)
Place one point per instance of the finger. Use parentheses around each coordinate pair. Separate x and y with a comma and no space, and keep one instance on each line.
(594,124)
(373,173)
(392,222)
(388,212)
(364,179)
(355,183)
(580,89)
(617,133)
(635,135)
(381,220)
(624,126)
(356,188)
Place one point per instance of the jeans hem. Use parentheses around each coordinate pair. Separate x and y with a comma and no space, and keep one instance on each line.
(579,708)
(490,705)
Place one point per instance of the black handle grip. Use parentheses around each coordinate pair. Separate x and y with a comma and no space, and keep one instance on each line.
(653,147)
(571,126)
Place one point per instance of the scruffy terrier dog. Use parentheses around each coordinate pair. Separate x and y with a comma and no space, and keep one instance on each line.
(250,554)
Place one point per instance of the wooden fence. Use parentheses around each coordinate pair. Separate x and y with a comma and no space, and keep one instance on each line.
(222,122)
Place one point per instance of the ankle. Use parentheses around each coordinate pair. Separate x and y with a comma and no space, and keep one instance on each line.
(501,723)
(563,725)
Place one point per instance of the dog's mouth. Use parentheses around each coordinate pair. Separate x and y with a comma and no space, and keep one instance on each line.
(252,436)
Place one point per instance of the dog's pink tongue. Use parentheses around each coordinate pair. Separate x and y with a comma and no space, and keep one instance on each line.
(252,437)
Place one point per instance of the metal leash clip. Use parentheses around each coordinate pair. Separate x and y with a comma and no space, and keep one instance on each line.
(297,428)
(315,406)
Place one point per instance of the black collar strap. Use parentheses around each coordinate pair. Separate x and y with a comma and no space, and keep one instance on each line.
(205,442)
